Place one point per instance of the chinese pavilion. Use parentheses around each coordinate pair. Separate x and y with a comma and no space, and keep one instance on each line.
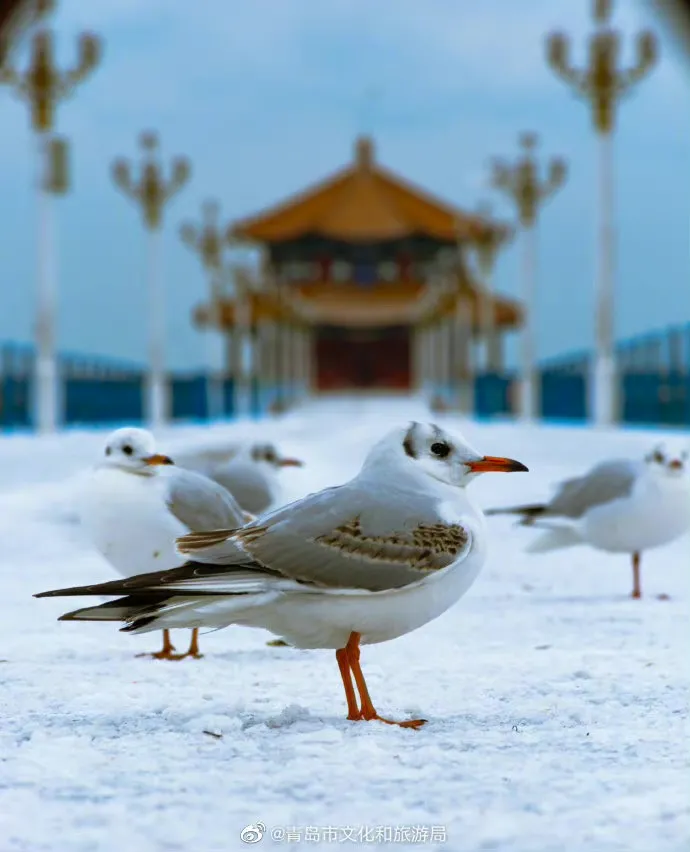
(355,259)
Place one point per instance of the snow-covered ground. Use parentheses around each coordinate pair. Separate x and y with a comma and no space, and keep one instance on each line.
(557,705)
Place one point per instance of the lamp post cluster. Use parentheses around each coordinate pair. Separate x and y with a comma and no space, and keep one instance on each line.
(602,83)
(151,186)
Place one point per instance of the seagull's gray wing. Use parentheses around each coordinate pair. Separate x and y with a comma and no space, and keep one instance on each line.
(200,503)
(343,537)
(605,483)
(248,485)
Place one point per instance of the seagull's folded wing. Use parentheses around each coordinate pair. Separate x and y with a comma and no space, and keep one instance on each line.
(200,503)
(605,483)
(344,537)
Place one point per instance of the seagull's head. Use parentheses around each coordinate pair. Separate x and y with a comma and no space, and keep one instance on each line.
(267,453)
(134,450)
(664,462)
(428,450)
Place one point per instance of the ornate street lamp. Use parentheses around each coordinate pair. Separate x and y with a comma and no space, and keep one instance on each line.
(43,86)
(487,245)
(521,182)
(207,241)
(151,193)
(603,84)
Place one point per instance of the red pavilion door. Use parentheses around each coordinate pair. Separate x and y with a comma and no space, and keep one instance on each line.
(371,359)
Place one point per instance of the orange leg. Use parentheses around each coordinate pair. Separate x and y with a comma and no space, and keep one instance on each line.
(353,711)
(637,589)
(166,653)
(367,711)
(194,646)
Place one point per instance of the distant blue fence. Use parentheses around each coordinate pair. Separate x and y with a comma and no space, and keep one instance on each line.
(107,391)
(653,385)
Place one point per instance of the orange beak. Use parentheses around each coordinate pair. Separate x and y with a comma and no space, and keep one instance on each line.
(291,463)
(158,459)
(495,464)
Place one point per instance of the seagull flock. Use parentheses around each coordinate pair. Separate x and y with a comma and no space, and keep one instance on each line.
(203,542)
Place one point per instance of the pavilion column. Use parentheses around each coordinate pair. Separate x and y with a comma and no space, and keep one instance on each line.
(285,364)
(232,362)
(428,359)
(495,354)
(440,359)
(266,363)
(297,363)
(464,371)
(249,370)
(275,373)
(446,358)
(308,354)
(417,359)
(432,357)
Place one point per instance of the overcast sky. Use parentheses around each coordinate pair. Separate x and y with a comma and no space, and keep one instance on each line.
(266,96)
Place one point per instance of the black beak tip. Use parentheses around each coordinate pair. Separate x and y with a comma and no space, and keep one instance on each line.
(168,460)
(520,467)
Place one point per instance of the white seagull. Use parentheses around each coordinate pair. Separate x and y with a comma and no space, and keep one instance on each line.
(251,475)
(136,502)
(619,506)
(361,563)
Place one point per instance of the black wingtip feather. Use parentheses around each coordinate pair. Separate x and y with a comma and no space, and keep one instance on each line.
(528,511)
(139,623)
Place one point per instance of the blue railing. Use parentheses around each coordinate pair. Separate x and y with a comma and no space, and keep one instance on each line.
(100,391)
(654,387)
(653,384)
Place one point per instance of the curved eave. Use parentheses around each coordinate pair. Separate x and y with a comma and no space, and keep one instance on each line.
(362,203)
(349,305)
(507,313)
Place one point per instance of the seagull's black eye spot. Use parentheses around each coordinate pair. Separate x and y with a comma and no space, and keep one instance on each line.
(440,449)
(108,451)
(127,450)
(658,457)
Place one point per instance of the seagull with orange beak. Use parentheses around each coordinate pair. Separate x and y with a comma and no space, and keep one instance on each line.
(136,502)
(361,563)
(619,506)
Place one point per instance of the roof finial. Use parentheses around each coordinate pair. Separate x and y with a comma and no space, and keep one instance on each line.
(364,152)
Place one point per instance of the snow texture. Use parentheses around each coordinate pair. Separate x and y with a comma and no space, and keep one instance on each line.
(557,705)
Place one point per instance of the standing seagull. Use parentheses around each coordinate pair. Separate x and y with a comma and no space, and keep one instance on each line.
(361,563)
(619,506)
(136,503)
(251,476)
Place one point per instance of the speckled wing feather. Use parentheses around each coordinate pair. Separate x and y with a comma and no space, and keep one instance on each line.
(342,538)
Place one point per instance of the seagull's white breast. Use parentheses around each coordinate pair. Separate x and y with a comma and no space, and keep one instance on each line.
(126,518)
